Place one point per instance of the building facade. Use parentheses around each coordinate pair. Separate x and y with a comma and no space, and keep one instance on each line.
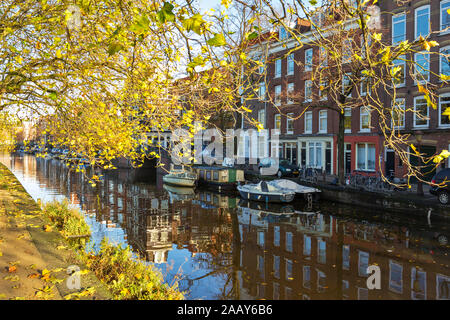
(308,135)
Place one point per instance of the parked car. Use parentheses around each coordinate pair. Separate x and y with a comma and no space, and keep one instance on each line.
(441,186)
(285,168)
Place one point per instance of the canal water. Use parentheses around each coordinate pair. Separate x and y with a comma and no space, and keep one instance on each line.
(219,247)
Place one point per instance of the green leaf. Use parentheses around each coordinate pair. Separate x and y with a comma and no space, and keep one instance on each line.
(141,25)
(217,41)
(194,23)
(114,47)
(166,13)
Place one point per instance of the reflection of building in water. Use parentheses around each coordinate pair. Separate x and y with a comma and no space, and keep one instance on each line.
(321,257)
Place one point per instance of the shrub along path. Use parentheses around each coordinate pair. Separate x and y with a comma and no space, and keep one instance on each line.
(33,257)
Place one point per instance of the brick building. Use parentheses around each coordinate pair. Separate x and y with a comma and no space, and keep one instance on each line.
(310,138)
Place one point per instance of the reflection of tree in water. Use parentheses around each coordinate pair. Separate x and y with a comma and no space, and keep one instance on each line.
(221,256)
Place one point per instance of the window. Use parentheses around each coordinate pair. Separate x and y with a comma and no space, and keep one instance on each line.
(289,241)
(418,284)
(444,105)
(315,154)
(347,51)
(262,91)
(290,93)
(308,59)
(290,123)
(277,119)
(308,91)
(442,287)
(399,76)
(363,263)
(398,28)
(276,267)
(364,119)
(445,61)
(282,34)
(262,66)
(323,58)
(363,293)
(288,268)
(445,17)
(260,239)
(260,265)
(307,277)
(323,121)
(308,122)
(321,281)
(277,68)
(278,95)
(398,114)
(346,257)
(395,277)
(321,251)
(365,86)
(348,120)
(323,90)
(346,84)
(365,157)
(422,21)
(420,112)
(306,246)
(290,64)
(262,117)
(276,236)
(422,67)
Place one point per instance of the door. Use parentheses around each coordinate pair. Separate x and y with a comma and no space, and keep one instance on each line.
(348,158)
(428,170)
(390,163)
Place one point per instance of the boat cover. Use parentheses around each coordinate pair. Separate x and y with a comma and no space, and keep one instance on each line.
(292,186)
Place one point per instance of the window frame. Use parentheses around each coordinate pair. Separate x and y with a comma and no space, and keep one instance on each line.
(403,106)
(416,70)
(277,95)
(415,114)
(306,99)
(440,17)
(367,113)
(275,117)
(278,67)
(309,65)
(290,63)
(441,57)
(403,13)
(416,10)
(366,157)
(443,125)
(289,120)
(321,117)
(307,114)
(289,92)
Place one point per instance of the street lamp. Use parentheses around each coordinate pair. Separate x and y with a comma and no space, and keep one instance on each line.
(419,136)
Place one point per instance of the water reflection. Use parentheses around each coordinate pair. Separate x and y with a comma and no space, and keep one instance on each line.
(232,249)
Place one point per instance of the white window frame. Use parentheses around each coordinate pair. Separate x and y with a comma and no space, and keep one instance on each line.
(308,55)
(346,75)
(402,106)
(393,24)
(262,117)
(262,91)
(416,271)
(277,90)
(290,65)
(362,253)
(323,57)
(366,164)
(289,119)
(415,114)
(275,117)
(307,114)
(415,20)
(391,262)
(278,67)
(441,125)
(350,111)
(402,62)
(441,57)
(441,27)
(418,69)
(367,112)
(323,114)
(308,84)
(290,90)
(323,84)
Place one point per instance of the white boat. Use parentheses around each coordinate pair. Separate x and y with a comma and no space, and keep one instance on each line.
(292,186)
(265,192)
(180,177)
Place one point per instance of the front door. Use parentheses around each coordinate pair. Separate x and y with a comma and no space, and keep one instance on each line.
(348,158)
(390,163)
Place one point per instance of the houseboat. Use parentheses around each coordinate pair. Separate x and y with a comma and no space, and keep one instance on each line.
(219,177)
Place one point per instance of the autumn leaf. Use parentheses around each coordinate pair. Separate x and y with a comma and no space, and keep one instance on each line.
(48,228)
(12,269)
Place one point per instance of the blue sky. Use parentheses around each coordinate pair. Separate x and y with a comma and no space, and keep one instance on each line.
(208,4)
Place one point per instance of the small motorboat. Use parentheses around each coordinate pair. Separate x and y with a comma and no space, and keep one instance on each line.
(179,193)
(265,192)
(180,177)
(295,187)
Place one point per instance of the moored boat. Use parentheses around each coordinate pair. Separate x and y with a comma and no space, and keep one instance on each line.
(265,192)
(219,177)
(180,177)
(290,185)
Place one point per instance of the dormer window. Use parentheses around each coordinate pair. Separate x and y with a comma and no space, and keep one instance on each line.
(282,34)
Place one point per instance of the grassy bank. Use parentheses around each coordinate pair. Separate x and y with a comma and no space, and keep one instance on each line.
(126,277)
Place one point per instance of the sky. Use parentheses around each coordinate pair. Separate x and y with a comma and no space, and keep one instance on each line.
(208,4)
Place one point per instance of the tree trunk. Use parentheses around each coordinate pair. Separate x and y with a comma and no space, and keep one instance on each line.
(340,148)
